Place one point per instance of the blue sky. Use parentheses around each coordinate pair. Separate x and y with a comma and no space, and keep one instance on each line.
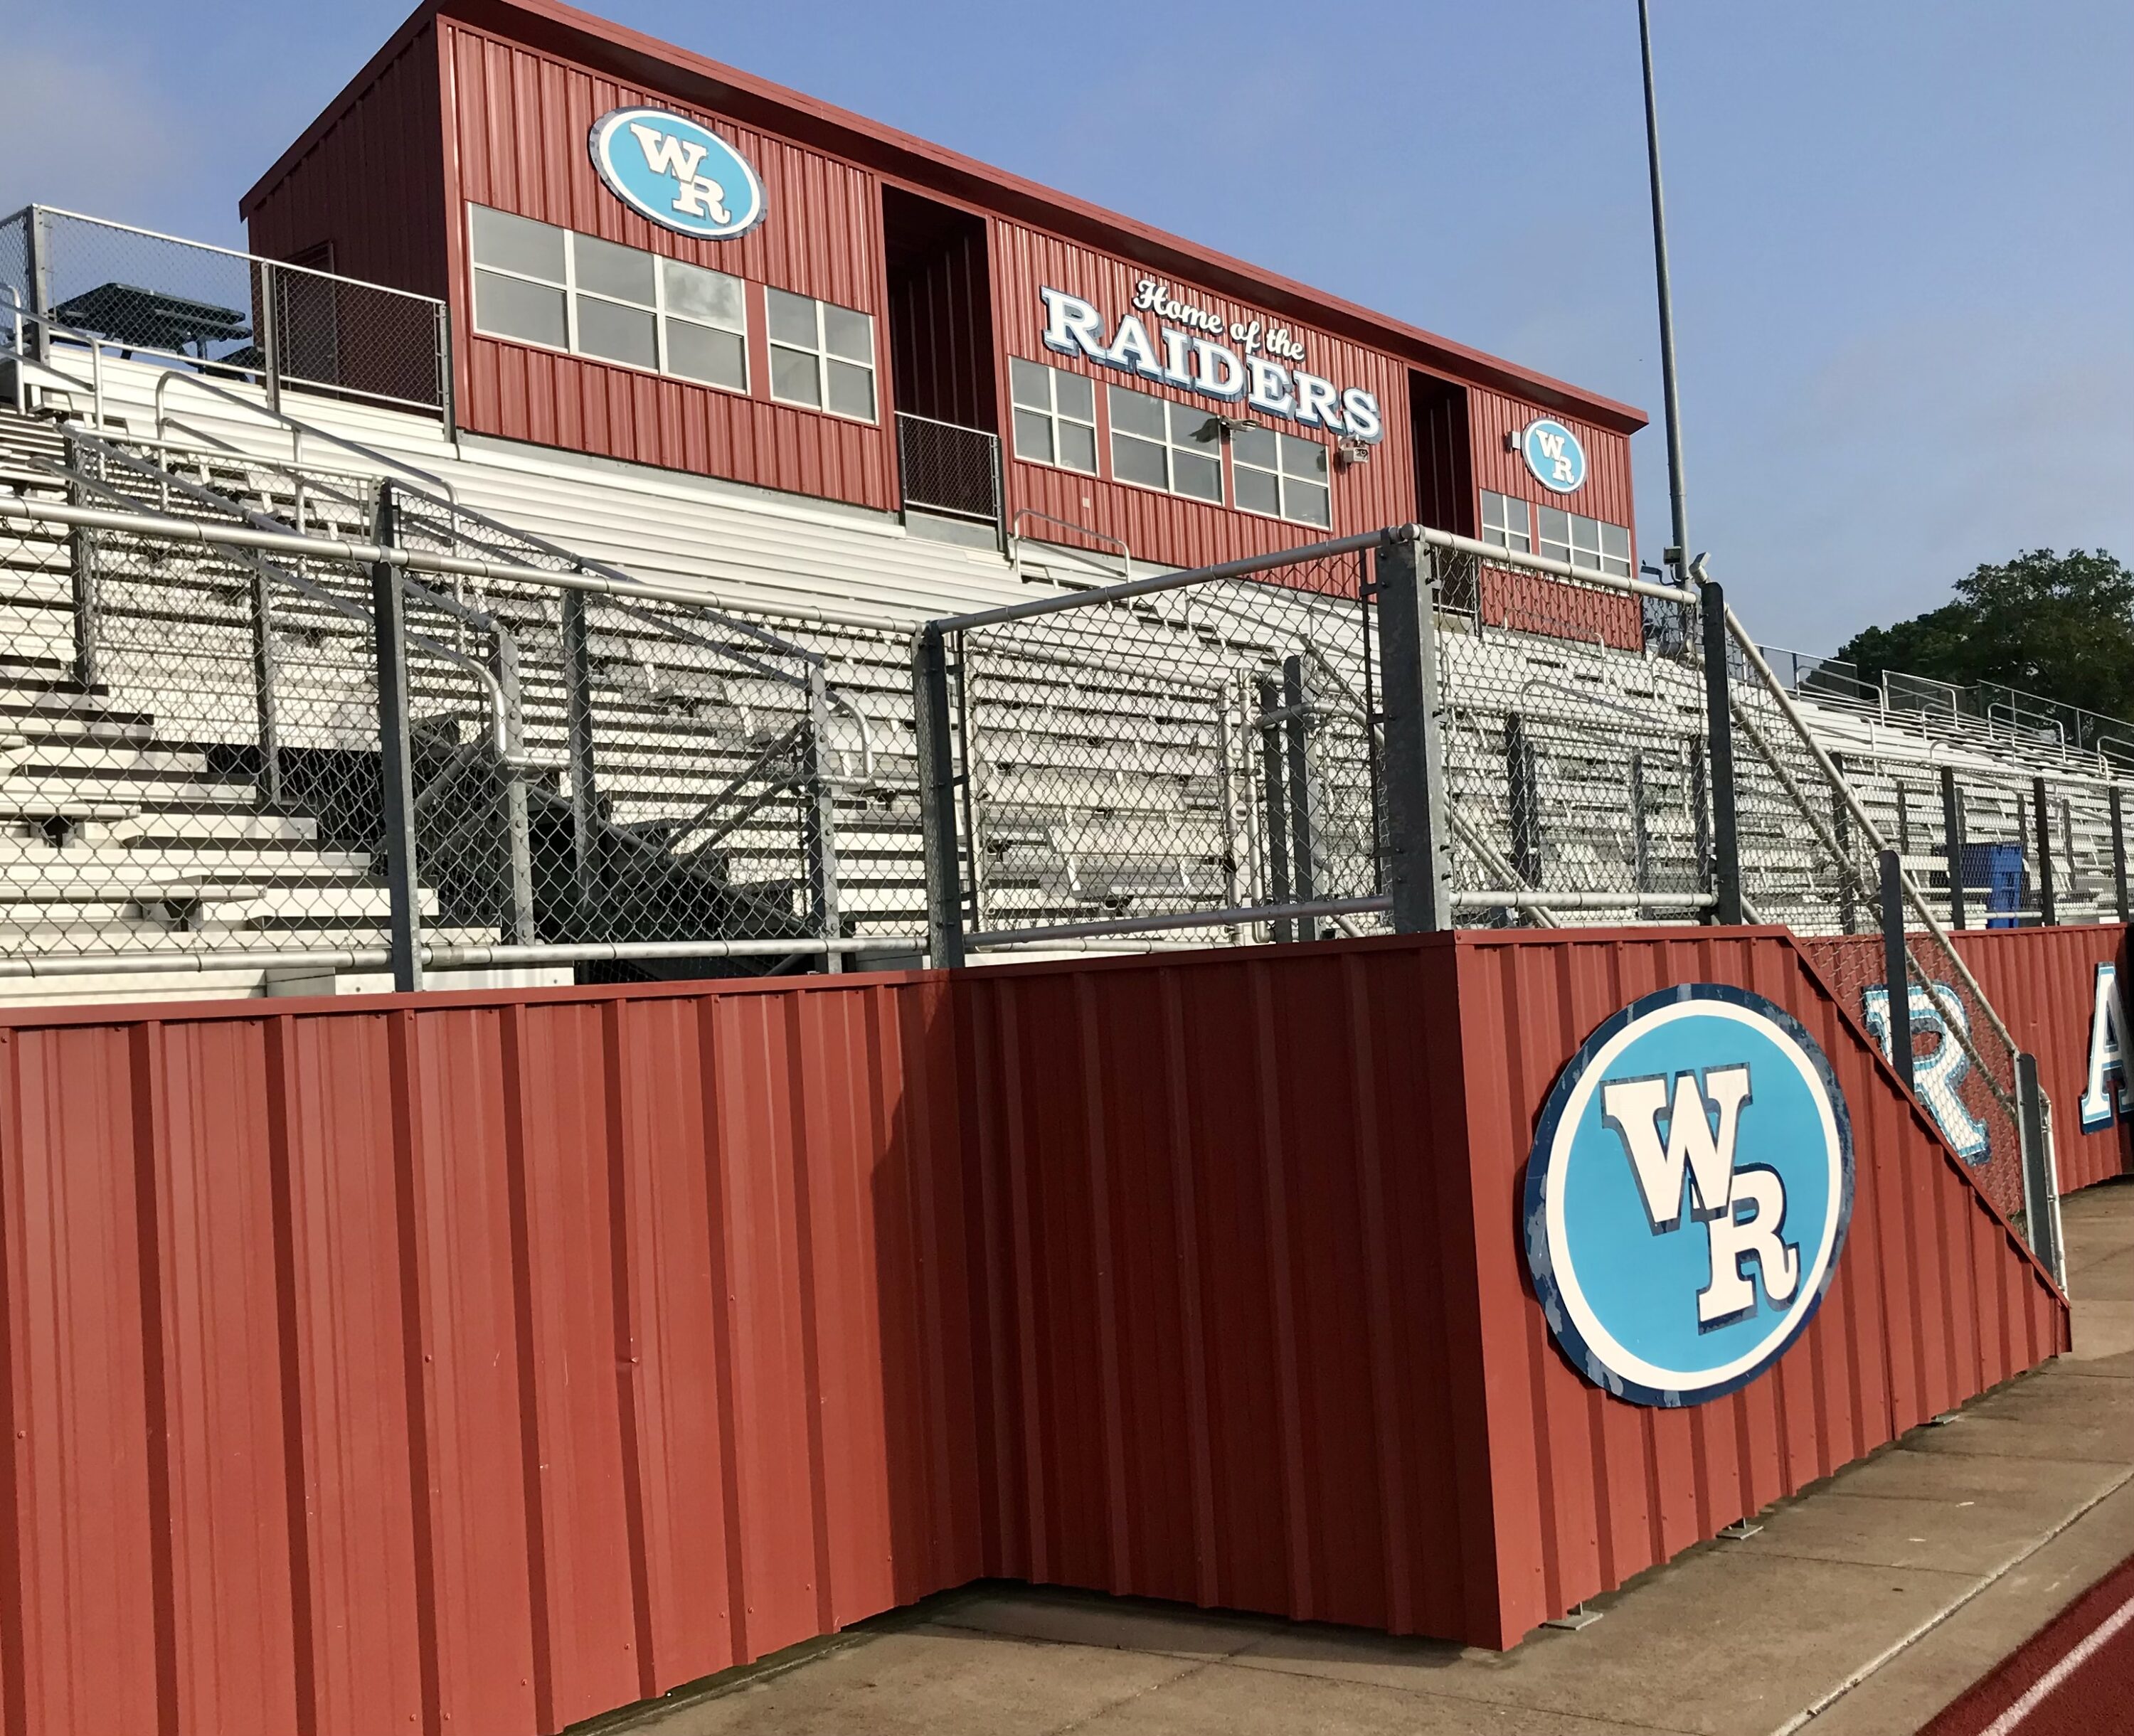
(1903,231)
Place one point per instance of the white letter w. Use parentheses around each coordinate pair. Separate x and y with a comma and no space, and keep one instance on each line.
(1633,1107)
(664,154)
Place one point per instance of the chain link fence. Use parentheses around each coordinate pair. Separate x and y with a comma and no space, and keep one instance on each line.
(81,282)
(950,469)
(577,769)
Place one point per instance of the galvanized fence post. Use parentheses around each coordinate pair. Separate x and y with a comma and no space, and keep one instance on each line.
(396,758)
(1952,840)
(1418,849)
(2119,852)
(1275,781)
(39,261)
(2041,1204)
(1303,797)
(270,332)
(819,822)
(1719,727)
(937,798)
(578,711)
(82,561)
(518,842)
(2041,830)
(1896,976)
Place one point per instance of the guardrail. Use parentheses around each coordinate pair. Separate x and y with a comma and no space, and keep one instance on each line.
(222,313)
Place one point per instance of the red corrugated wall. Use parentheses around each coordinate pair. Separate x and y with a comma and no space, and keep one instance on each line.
(470,1367)
(486,1361)
(2042,982)
(1934,1299)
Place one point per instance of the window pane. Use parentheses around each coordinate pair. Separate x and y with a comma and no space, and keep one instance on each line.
(1585,543)
(1196,474)
(1138,461)
(795,377)
(1257,491)
(1555,533)
(620,333)
(1136,413)
(1311,503)
(700,352)
(1194,427)
(792,319)
(1076,394)
(608,270)
(1305,458)
(517,244)
(705,294)
(1033,436)
(1517,538)
(1514,521)
(1033,383)
(1254,446)
(1078,447)
(847,333)
(1616,549)
(513,308)
(852,390)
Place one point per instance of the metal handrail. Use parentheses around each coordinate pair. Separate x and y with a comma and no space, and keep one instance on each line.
(1015,536)
(298,429)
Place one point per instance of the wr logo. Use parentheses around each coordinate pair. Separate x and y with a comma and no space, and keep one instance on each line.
(697,195)
(1742,1208)
(1554,456)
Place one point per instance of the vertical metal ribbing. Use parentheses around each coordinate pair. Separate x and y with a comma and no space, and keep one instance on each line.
(1896,976)
(819,822)
(937,798)
(396,756)
(1417,850)
(2041,831)
(1952,843)
(2119,852)
(585,796)
(1274,779)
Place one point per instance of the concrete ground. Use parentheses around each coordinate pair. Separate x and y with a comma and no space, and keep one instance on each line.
(1864,1605)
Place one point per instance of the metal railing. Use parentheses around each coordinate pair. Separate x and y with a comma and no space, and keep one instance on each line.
(951,469)
(420,738)
(84,281)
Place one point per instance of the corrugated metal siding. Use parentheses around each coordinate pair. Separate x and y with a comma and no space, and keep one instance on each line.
(940,336)
(1607,494)
(2042,982)
(374,186)
(516,122)
(486,1362)
(472,1367)
(1167,527)
(1933,1299)
(1228,1339)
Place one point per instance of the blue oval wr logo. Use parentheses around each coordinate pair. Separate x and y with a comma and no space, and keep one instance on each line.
(679,174)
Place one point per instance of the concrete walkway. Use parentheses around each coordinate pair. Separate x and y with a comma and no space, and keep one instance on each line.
(1863,1606)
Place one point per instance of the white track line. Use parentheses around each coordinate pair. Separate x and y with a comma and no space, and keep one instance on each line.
(2062,1670)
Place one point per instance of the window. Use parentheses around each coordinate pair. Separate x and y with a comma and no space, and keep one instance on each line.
(544,285)
(1162,445)
(1055,415)
(1280,474)
(821,356)
(1505,522)
(1585,543)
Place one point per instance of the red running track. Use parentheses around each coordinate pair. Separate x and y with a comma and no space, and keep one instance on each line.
(2074,1677)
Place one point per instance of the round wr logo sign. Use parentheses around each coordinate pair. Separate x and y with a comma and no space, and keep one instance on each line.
(1554,456)
(681,176)
(1688,1194)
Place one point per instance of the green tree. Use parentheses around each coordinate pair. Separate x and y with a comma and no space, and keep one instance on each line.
(2061,626)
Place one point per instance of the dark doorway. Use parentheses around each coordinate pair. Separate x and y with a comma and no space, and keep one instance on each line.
(941,359)
(1444,463)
